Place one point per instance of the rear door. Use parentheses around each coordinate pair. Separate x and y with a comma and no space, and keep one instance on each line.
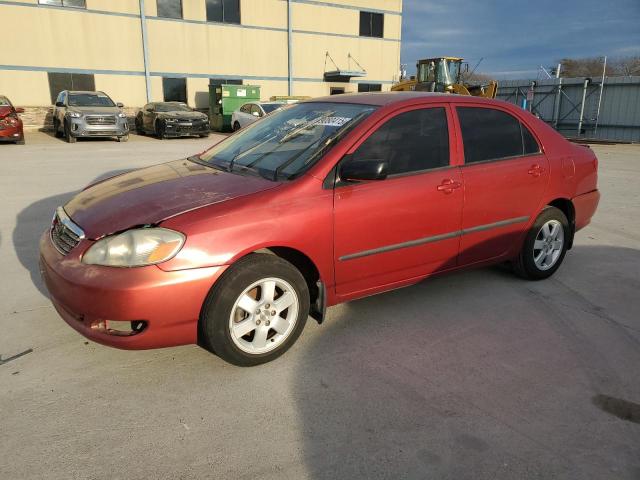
(406,226)
(505,175)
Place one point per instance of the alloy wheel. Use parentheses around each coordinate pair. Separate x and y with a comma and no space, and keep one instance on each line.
(264,315)
(548,245)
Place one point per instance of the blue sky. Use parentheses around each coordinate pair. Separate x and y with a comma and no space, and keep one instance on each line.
(516,37)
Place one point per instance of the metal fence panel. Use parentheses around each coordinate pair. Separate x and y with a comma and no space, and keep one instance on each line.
(559,102)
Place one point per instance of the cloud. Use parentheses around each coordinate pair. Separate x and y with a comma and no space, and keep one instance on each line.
(515,38)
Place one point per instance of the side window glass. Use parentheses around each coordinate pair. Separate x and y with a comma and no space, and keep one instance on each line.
(255,110)
(530,145)
(409,142)
(489,134)
(245,108)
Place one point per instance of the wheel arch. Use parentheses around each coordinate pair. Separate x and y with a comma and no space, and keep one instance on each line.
(566,206)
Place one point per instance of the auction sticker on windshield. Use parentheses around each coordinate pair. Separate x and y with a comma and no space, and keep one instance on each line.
(334,121)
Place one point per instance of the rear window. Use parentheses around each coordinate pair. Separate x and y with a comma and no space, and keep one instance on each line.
(490,134)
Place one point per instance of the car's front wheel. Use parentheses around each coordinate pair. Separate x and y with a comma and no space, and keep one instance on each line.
(160,130)
(545,245)
(67,133)
(255,311)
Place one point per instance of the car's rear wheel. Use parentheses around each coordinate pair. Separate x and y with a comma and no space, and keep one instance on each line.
(255,311)
(545,245)
(67,133)
(236,126)
(123,138)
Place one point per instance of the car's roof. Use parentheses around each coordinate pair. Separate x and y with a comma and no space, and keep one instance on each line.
(388,98)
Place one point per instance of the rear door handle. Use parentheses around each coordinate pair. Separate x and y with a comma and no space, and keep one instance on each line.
(448,186)
(536,170)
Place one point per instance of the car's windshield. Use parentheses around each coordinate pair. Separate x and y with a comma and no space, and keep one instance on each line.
(287,143)
(4,102)
(172,107)
(90,100)
(270,107)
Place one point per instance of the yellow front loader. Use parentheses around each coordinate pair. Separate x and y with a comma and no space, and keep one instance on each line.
(444,74)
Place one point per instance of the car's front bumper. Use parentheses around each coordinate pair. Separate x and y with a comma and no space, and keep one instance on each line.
(186,129)
(11,134)
(81,128)
(84,295)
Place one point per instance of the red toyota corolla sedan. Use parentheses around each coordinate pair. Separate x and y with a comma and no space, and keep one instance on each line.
(10,123)
(326,201)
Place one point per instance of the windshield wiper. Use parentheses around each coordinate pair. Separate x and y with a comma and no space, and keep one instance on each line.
(246,152)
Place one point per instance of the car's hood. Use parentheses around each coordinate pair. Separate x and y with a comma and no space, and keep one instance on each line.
(182,115)
(150,195)
(95,110)
(5,110)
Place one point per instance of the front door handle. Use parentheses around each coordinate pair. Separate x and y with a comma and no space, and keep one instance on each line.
(536,170)
(448,186)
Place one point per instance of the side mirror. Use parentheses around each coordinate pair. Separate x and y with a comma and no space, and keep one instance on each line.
(19,110)
(119,105)
(59,104)
(358,170)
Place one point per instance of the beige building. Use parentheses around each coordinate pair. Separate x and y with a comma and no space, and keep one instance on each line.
(154,50)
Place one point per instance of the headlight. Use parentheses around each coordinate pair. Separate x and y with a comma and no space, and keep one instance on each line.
(170,120)
(122,115)
(74,114)
(135,248)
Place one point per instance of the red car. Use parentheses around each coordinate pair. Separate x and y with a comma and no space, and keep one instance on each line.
(327,201)
(10,123)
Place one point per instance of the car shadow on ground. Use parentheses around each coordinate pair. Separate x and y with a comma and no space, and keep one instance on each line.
(479,375)
(35,219)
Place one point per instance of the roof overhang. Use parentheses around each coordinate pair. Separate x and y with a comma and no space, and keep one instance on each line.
(342,75)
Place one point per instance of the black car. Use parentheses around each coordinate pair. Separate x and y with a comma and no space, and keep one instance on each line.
(171,119)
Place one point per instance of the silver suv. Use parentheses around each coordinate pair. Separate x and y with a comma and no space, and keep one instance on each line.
(88,114)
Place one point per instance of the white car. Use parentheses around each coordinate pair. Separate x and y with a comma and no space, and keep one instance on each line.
(253,111)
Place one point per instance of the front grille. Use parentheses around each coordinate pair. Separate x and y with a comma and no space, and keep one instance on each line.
(65,234)
(101,133)
(100,119)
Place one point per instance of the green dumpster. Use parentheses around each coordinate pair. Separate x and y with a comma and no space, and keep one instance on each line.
(225,99)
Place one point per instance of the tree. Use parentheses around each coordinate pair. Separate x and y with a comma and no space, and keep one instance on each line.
(592,67)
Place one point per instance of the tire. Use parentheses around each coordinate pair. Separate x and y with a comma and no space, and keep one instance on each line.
(67,134)
(139,129)
(123,138)
(236,126)
(254,340)
(204,135)
(56,128)
(160,130)
(543,251)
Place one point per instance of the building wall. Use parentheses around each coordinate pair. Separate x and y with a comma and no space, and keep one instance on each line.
(105,40)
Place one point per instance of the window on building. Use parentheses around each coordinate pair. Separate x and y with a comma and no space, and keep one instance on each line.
(226,11)
(336,91)
(371,24)
(169,8)
(410,142)
(69,81)
(65,3)
(490,134)
(369,87)
(175,89)
(225,81)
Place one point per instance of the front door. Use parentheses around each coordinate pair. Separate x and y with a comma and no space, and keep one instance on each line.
(406,226)
(505,175)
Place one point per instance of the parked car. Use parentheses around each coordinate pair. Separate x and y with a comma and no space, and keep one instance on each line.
(171,119)
(88,114)
(10,123)
(321,203)
(252,112)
